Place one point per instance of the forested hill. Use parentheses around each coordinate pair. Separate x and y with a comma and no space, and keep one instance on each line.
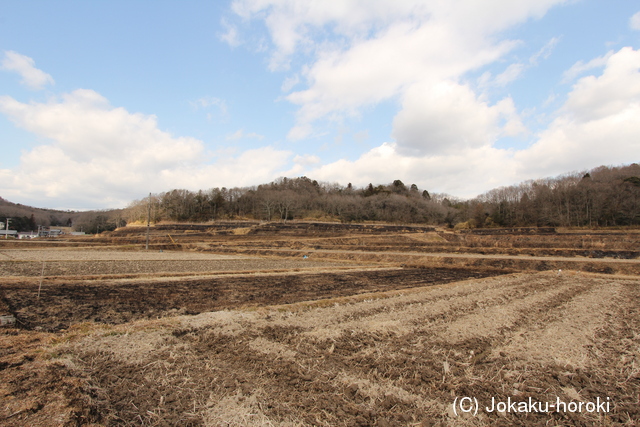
(28,218)
(24,218)
(604,196)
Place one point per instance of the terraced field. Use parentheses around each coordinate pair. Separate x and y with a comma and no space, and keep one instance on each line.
(231,339)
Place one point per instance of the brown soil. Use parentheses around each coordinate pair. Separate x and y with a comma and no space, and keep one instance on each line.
(62,304)
(392,359)
(53,269)
(353,341)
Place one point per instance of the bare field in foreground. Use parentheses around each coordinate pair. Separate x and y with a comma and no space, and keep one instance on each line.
(203,338)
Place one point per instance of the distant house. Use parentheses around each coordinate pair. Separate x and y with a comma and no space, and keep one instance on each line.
(27,235)
(58,231)
(54,232)
(12,233)
(49,232)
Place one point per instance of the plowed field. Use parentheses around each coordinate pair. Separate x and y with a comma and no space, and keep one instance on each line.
(63,303)
(209,340)
(395,358)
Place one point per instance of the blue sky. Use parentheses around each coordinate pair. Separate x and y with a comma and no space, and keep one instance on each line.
(102,102)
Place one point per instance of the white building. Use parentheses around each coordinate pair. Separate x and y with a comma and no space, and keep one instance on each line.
(27,235)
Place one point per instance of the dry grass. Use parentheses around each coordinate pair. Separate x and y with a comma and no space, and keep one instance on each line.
(241,231)
(239,410)
(392,357)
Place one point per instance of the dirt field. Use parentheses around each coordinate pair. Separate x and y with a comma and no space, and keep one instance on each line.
(64,303)
(199,338)
(74,263)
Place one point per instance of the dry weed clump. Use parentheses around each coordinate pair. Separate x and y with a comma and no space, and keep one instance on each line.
(239,410)
(241,231)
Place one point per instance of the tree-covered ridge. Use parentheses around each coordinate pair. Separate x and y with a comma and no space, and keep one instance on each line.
(295,198)
(604,196)
(27,218)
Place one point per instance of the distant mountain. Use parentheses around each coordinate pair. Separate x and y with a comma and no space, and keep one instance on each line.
(25,218)
(28,218)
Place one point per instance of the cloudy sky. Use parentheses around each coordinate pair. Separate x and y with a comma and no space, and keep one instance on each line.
(102,102)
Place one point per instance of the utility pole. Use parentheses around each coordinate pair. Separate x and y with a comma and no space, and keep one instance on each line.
(148,221)
(6,229)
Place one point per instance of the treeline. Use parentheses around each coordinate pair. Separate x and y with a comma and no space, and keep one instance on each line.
(19,223)
(27,218)
(296,198)
(93,222)
(604,196)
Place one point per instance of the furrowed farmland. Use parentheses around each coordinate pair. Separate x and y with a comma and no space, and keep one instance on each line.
(321,324)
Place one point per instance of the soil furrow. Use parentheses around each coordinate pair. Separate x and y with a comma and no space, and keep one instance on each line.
(565,340)
(491,320)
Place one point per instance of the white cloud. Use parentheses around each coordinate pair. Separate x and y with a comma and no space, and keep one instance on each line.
(300,132)
(250,167)
(581,67)
(291,23)
(550,100)
(206,102)
(365,52)
(485,80)
(617,88)
(516,70)
(512,73)
(86,127)
(464,174)
(241,134)
(306,160)
(598,124)
(361,136)
(290,82)
(294,25)
(210,101)
(634,22)
(447,118)
(359,53)
(110,156)
(231,35)
(545,51)
(25,66)
(301,163)
(368,73)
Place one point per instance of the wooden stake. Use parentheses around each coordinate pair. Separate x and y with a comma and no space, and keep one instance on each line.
(148,222)
(41,277)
